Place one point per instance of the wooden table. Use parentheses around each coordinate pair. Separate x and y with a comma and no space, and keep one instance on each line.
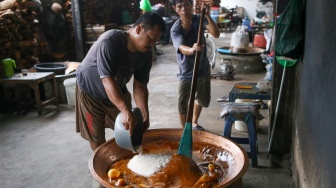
(224,24)
(33,79)
(252,93)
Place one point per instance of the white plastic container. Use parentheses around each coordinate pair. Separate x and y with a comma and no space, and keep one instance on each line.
(70,89)
(241,125)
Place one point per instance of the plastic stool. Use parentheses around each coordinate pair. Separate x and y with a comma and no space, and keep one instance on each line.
(252,139)
(247,112)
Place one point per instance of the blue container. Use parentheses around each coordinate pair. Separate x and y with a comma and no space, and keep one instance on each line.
(223,50)
(246,22)
(215,17)
(214,10)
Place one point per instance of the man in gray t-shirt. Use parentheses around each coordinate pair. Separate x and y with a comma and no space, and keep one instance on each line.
(102,77)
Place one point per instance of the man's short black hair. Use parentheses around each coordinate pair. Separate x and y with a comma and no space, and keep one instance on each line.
(174,2)
(149,20)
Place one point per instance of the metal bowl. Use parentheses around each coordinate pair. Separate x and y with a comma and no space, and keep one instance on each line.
(57,68)
(155,141)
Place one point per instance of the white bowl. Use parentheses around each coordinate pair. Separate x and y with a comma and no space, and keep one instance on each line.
(122,137)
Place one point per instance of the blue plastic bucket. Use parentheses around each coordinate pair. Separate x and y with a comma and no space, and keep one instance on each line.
(215,17)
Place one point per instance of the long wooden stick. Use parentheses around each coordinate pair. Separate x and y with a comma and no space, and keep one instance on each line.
(185,147)
(196,66)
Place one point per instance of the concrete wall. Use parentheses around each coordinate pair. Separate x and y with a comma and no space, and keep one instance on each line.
(249,6)
(314,144)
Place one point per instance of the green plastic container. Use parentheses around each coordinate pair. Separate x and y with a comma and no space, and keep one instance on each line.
(8,66)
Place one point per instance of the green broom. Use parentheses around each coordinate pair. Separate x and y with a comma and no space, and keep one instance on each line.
(284,61)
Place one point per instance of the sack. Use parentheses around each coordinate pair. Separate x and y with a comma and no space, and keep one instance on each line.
(239,39)
(268,37)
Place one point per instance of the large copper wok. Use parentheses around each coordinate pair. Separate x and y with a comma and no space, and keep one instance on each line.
(155,141)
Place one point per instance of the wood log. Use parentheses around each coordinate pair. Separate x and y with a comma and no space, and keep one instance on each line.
(26,5)
(23,43)
(17,54)
(19,31)
(3,39)
(7,45)
(34,59)
(7,21)
(7,13)
(3,52)
(7,4)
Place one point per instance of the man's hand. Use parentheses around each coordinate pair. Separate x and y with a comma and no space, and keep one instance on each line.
(196,47)
(146,125)
(207,8)
(128,120)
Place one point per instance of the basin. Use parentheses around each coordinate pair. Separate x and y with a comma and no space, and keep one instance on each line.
(166,141)
(57,68)
(250,51)
(244,63)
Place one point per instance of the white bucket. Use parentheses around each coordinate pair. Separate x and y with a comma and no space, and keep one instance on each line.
(241,125)
(70,89)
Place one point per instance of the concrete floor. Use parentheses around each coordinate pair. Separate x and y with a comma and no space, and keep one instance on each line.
(45,151)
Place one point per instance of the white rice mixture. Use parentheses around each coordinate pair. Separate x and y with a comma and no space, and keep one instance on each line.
(147,164)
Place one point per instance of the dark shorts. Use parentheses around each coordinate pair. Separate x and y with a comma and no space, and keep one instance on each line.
(93,115)
(202,95)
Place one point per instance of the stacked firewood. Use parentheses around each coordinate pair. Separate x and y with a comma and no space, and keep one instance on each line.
(19,32)
(67,12)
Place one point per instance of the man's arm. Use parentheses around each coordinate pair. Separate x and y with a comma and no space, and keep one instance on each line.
(140,91)
(115,96)
(187,50)
(212,25)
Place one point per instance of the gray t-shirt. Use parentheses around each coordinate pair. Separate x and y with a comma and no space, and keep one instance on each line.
(186,62)
(109,57)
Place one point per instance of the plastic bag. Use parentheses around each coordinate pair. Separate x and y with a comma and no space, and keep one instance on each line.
(268,36)
(239,39)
